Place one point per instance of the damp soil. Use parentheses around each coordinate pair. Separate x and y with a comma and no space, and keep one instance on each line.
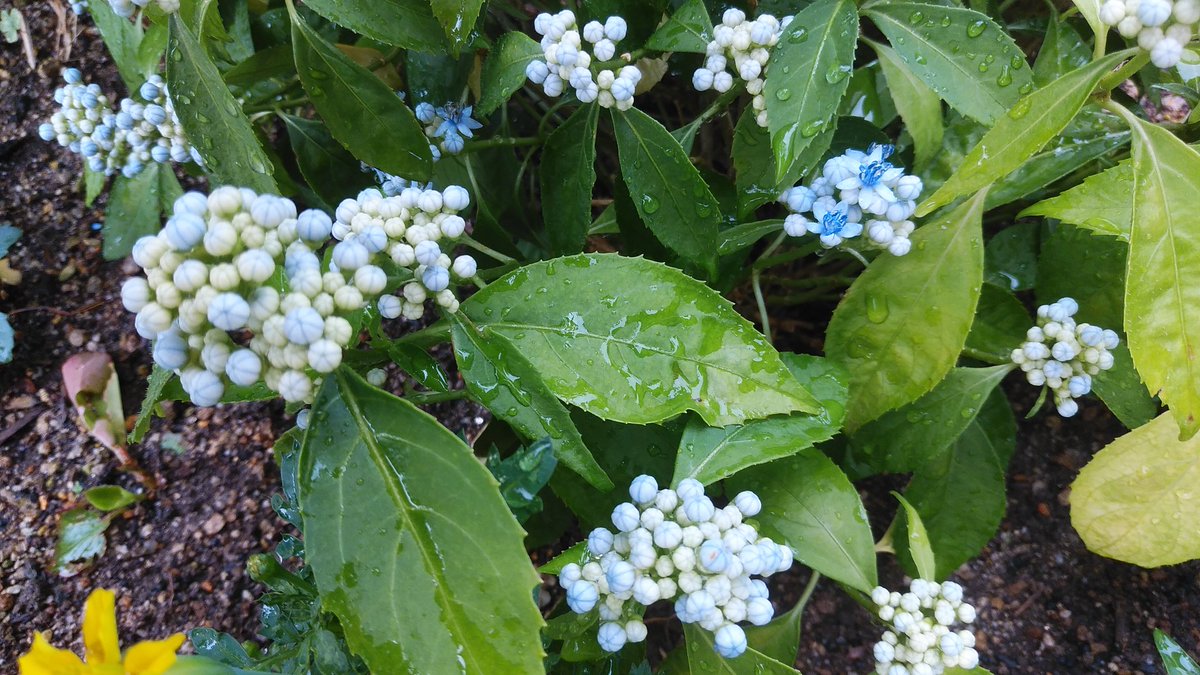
(176,561)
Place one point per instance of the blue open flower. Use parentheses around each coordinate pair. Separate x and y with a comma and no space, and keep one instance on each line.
(835,221)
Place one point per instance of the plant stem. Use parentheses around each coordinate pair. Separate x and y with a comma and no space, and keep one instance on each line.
(984,356)
(756,282)
(425,398)
(1115,78)
(808,589)
(270,106)
(428,336)
(487,250)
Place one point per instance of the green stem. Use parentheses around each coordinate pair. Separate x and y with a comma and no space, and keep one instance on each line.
(763,319)
(808,589)
(1101,43)
(489,143)
(428,336)
(426,398)
(716,107)
(487,250)
(620,61)
(1114,107)
(1115,78)
(270,106)
(985,357)
(479,283)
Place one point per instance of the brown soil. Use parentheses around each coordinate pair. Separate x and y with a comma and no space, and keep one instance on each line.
(177,561)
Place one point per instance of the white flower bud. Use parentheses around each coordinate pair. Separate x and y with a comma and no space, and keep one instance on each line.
(621,576)
(228,311)
(625,517)
(730,641)
(713,557)
(643,489)
(699,509)
(611,637)
(205,388)
(582,596)
(303,326)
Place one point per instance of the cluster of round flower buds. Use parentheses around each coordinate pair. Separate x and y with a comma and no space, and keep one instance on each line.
(568,62)
(1162,27)
(920,639)
(117,140)
(447,127)
(744,47)
(212,302)
(677,546)
(854,187)
(411,228)
(1063,355)
(127,8)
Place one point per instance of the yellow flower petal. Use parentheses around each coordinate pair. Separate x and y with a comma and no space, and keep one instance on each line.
(100,644)
(152,657)
(44,658)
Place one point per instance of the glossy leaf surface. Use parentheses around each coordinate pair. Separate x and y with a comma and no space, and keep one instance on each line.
(568,174)
(403,23)
(504,70)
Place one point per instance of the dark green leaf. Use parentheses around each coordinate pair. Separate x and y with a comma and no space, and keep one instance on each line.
(457,18)
(503,380)
(504,70)
(93,184)
(332,172)
(687,30)
(1010,260)
(918,105)
(568,173)
(809,71)
(1078,264)
(960,53)
(1062,51)
(212,118)
(410,543)
(702,657)
(122,37)
(746,235)
(80,539)
(269,63)
(1122,390)
(1000,323)
(133,211)
(418,363)
(809,504)
(651,344)
(709,454)
(780,639)
(901,326)
(361,112)
(154,394)
(522,475)
(668,192)
(110,497)
(220,646)
(403,23)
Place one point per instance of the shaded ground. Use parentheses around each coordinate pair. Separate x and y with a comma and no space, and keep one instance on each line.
(1046,604)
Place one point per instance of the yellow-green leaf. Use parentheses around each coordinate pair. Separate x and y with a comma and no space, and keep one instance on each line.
(1162,300)
(918,105)
(1138,500)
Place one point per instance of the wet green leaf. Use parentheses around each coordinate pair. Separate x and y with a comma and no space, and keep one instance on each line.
(1029,125)
(80,540)
(110,497)
(1076,263)
(1122,390)
(649,343)
(959,493)
(362,113)
(809,504)
(410,543)
(327,167)
(1162,313)
(901,326)
(568,174)
(522,475)
(687,30)
(904,439)
(403,23)
(1000,323)
(123,38)
(93,185)
(503,380)
(961,54)
(1136,500)
(919,106)
(1062,51)
(746,235)
(154,393)
(504,70)
(1011,257)
(809,71)
(133,211)
(670,196)
(919,549)
(779,639)
(457,18)
(1103,203)
(264,65)
(418,363)
(1175,660)
(211,117)
(709,454)
(702,657)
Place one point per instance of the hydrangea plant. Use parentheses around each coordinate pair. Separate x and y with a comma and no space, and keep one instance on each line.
(567,200)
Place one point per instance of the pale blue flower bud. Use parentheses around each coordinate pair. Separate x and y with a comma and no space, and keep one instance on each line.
(689,488)
(436,278)
(643,489)
(625,517)
(699,509)
(730,641)
(713,556)
(72,76)
(303,326)
(243,367)
(582,596)
(611,637)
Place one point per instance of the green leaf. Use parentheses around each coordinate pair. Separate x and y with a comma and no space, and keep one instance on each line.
(1063,50)
(522,475)
(418,363)
(111,497)
(154,393)
(264,65)
(577,554)
(709,454)
(152,47)
(959,493)
(332,172)
(568,174)
(1090,11)
(809,504)
(625,451)
(754,166)
(1076,263)
(93,185)
(702,657)
(122,37)
(403,23)
(1175,660)
(1000,323)
(1162,312)
(918,540)
(745,235)
(918,105)
(687,30)
(668,192)
(361,112)
(1122,390)
(503,380)
(212,118)
(80,540)
(651,343)
(410,543)
(901,326)
(809,71)
(1011,257)
(457,18)
(504,70)
(133,211)
(1032,122)
(1136,500)
(1103,203)
(779,639)
(949,47)
(903,439)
